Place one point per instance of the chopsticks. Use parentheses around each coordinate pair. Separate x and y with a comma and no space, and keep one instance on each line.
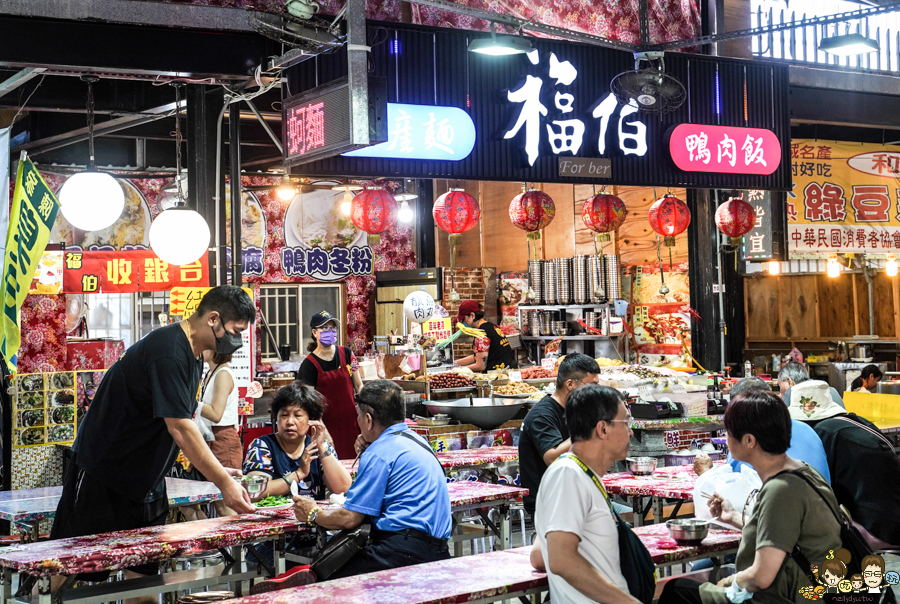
(705,495)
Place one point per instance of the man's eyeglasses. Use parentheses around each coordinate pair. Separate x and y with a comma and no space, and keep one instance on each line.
(872,573)
(627,420)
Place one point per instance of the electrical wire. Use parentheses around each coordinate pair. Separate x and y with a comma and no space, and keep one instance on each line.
(22,108)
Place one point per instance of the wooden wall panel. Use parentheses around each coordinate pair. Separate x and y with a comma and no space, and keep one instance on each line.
(559,235)
(763,318)
(504,245)
(468,253)
(637,241)
(883,296)
(835,297)
(798,305)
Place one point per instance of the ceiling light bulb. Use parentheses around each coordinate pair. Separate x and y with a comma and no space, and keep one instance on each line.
(849,45)
(91,200)
(405,214)
(179,236)
(286,191)
(347,204)
(774,267)
(890,267)
(833,268)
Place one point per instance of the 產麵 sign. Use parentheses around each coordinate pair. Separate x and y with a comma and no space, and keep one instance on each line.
(846,198)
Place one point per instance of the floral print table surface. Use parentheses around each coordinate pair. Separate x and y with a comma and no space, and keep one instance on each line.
(453,460)
(674,485)
(677,423)
(31,505)
(451,581)
(470,492)
(664,550)
(124,549)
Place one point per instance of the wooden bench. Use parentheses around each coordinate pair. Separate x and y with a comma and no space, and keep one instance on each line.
(500,575)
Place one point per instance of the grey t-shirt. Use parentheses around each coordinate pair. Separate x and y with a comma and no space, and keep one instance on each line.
(787,513)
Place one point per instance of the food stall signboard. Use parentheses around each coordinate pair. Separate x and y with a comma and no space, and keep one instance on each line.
(727,149)
(758,243)
(44,409)
(128,271)
(439,329)
(845,198)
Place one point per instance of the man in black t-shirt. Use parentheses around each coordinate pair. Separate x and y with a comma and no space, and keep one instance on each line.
(544,433)
(141,415)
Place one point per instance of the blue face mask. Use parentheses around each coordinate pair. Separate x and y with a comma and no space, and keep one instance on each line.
(327,338)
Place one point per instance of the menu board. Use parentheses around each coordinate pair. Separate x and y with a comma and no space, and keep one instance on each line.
(44,410)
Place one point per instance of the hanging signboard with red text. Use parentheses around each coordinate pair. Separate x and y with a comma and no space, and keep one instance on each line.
(128,271)
(846,198)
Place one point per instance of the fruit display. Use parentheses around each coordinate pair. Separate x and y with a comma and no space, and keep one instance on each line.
(515,388)
(450,379)
(537,373)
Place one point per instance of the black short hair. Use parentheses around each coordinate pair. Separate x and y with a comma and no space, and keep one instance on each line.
(749,384)
(575,367)
(230,301)
(762,414)
(385,398)
(588,405)
(479,315)
(298,394)
(869,371)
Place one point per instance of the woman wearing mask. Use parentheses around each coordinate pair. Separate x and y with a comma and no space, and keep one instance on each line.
(334,372)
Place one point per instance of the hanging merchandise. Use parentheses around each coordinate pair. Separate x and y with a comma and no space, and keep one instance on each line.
(735,218)
(532,210)
(374,211)
(603,214)
(669,217)
(456,212)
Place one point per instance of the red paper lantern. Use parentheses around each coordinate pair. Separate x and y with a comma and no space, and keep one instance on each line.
(531,211)
(669,217)
(373,211)
(456,212)
(603,213)
(735,218)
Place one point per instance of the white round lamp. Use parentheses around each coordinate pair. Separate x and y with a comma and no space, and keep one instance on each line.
(91,200)
(179,236)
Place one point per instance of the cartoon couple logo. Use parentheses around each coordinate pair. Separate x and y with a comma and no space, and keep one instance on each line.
(832,576)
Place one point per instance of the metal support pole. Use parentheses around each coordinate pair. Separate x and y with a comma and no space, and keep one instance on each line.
(358,71)
(203,106)
(234,152)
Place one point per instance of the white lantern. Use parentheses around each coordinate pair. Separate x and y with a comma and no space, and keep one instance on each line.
(418,306)
(179,236)
(91,200)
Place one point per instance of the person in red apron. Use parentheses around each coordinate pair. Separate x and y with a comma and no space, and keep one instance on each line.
(333,371)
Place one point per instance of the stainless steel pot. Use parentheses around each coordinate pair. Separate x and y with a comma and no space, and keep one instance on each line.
(486,413)
(688,530)
(642,466)
(861,351)
(891,387)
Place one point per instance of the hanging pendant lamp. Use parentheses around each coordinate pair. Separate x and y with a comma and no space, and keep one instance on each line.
(179,235)
(91,200)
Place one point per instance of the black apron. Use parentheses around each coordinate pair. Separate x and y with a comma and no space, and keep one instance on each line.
(500,354)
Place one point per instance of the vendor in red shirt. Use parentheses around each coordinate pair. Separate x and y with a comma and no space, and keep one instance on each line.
(493,351)
(334,372)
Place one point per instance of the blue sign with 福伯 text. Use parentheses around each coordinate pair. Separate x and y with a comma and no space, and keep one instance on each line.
(424,132)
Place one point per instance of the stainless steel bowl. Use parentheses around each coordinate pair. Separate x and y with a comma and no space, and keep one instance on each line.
(254,485)
(688,530)
(642,466)
(485,413)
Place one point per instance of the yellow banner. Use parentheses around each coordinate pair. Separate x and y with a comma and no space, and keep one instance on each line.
(33,212)
(845,198)
(185,300)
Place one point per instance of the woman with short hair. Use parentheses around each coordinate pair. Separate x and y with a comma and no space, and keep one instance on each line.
(790,512)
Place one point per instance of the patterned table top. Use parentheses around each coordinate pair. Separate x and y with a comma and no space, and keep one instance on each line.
(451,581)
(654,535)
(114,551)
(32,505)
(123,549)
(454,460)
(709,422)
(672,484)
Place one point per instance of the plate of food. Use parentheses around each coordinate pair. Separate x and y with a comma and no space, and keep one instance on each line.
(57,434)
(253,220)
(275,502)
(31,436)
(31,400)
(30,383)
(62,380)
(63,398)
(132,227)
(32,417)
(62,415)
(315,220)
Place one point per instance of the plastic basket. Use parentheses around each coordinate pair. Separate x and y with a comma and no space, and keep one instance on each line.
(688,460)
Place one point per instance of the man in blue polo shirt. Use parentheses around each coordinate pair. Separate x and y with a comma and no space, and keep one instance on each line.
(400,485)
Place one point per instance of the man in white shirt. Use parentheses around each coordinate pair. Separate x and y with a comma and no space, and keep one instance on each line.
(576,531)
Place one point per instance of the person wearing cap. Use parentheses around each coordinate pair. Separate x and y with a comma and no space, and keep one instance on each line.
(334,372)
(865,474)
(493,351)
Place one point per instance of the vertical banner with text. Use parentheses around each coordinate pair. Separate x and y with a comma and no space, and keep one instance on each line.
(33,212)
